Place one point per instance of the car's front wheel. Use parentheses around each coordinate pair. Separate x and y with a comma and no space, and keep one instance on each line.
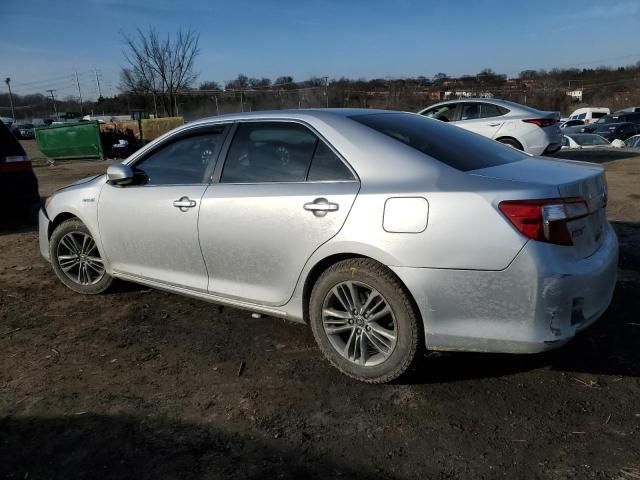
(364,321)
(76,260)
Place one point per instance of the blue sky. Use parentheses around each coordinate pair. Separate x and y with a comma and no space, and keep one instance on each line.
(45,41)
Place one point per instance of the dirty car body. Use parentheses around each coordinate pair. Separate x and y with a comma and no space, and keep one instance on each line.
(499,251)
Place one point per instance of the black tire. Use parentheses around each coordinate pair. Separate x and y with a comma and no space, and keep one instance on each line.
(409,332)
(512,142)
(75,226)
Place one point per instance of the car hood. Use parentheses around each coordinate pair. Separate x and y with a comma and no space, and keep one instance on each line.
(82,181)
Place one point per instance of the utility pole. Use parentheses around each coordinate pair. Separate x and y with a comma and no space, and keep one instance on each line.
(79,92)
(13,114)
(217,109)
(55,109)
(98,83)
(241,102)
(326,90)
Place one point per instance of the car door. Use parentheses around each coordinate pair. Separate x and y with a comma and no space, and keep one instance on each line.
(150,229)
(281,193)
(482,118)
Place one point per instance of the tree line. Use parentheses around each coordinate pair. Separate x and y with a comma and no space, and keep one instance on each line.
(159,77)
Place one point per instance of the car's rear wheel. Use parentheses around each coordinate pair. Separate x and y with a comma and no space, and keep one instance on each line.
(364,321)
(512,142)
(76,259)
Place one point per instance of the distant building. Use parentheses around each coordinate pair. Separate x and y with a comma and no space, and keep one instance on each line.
(466,94)
(576,95)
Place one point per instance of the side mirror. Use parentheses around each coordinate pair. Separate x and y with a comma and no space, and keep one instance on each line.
(119,174)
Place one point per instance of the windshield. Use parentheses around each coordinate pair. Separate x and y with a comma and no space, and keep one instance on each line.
(9,146)
(448,144)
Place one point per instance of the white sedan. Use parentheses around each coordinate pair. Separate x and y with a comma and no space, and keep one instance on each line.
(533,131)
(584,140)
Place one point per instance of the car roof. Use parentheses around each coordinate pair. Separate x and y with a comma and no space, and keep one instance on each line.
(608,124)
(494,101)
(292,114)
(590,109)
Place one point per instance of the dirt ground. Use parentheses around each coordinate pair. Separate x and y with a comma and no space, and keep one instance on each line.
(138,383)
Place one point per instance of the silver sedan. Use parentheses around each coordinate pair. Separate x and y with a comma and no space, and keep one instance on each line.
(386,232)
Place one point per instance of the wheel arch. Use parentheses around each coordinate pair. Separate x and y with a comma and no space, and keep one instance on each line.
(512,139)
(58,219)
(326,262)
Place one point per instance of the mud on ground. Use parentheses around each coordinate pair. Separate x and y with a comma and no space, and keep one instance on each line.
(139,383)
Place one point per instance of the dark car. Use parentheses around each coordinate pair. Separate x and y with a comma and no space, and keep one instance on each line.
(613,131)
(19,198)
(24,131)
(621,117)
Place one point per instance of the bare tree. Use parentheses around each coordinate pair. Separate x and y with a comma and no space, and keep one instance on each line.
(160,67)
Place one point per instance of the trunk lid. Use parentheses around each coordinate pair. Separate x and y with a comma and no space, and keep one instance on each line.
(570,179)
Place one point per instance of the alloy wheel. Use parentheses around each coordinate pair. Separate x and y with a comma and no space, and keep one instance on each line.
(359,323)
(79,259)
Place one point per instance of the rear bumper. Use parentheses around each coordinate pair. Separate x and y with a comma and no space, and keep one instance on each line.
(43,234)
(537,303)
(18,194)
(538,141)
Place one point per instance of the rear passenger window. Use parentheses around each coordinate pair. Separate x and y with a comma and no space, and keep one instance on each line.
(487,110)
(470,111)
(269,152)
(327,166)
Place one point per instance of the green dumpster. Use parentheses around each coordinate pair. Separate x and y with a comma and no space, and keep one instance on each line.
(76,140)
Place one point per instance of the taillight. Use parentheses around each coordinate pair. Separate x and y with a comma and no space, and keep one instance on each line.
(542,122)
(545,219)
(15,163)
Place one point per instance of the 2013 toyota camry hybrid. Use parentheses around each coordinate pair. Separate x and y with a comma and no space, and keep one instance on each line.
(387,232)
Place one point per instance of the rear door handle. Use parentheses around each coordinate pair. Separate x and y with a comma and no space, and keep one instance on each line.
(494,124)
(321,206)
(184,203)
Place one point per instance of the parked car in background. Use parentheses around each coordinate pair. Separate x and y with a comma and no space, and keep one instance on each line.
(24,131)
(19,197)
(584,140)
(571,123)
(589,114)
(525,128)
(632,142)
(614,131)
(385,231)
(628,110)
(614,118)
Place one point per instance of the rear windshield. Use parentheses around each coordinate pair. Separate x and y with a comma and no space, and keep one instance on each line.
(448,144)
(9,146)
(585,139)
(615,118)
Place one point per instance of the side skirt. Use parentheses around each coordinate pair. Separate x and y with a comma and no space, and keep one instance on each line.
(201,295)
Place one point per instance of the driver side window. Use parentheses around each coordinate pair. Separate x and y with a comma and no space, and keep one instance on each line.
(269,152)
(181,162)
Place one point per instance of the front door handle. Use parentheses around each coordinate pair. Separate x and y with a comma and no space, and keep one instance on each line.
(184,203)
(320,207)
